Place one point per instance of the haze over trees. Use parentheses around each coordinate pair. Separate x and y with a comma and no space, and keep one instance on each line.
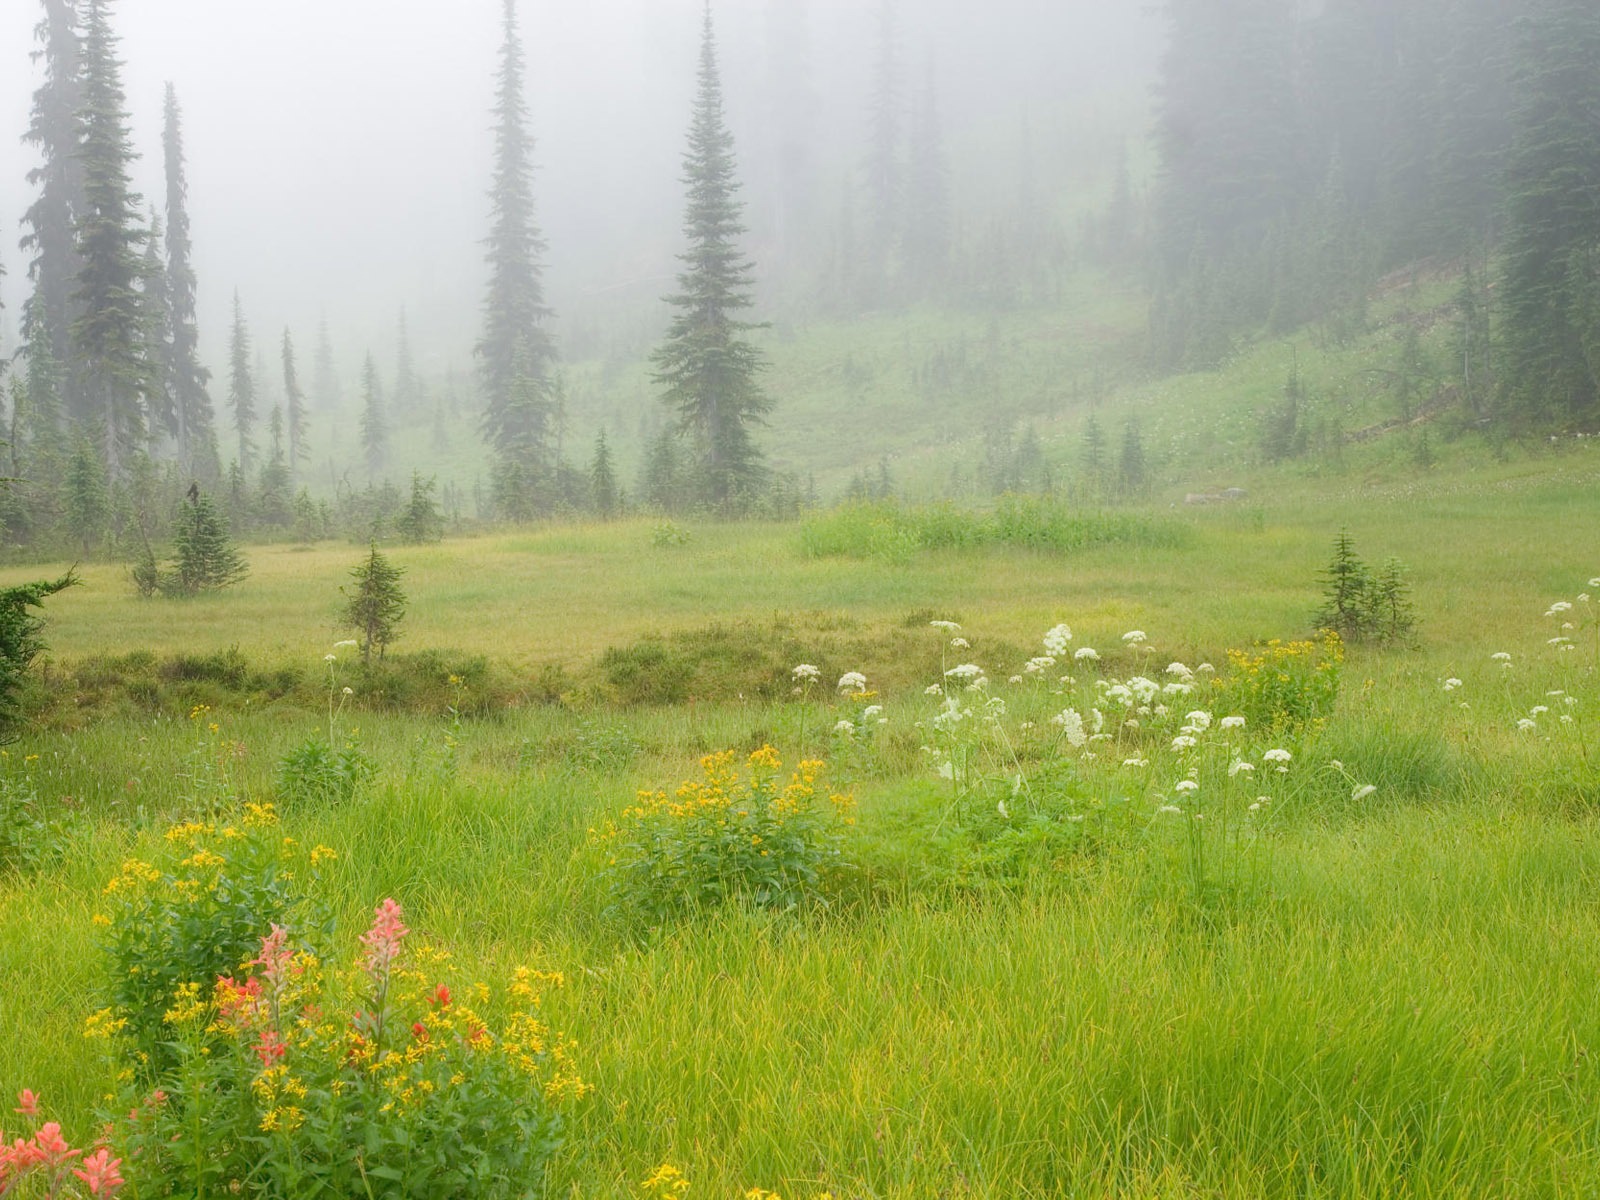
(901,169)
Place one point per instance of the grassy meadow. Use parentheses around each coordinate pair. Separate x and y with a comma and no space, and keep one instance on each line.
(1350,993)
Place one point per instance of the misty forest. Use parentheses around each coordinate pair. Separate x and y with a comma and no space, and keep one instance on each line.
(799,599)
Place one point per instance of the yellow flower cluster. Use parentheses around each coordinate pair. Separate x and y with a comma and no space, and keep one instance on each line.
(666,1182)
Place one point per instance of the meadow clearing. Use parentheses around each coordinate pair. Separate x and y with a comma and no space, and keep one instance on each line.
(1013,958)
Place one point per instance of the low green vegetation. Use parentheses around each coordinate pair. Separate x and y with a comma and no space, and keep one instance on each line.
(1012,866)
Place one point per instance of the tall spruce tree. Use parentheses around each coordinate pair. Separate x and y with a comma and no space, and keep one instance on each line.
(407,387)
(516,353)
(295,409)
(107,335)
(707,367)
(325,388)
(884,168)
(187,378)
(155,306)
(52,219)
(1552,258)
(374,425)
(603,479)
(242,387)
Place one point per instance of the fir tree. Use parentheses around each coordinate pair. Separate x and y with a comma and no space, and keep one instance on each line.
(295,409)
(186,377)
(884,169)
(20,643)
(155,304)
(107,335)
(420,521)
(516,353)
(1554,207)
(374,426)
(927,225)
(85,496)
(242,387)
(275,489)
(376,605)
(1133,475)
(706,367)
(55,132)
(603,479)
(407,387)
(325,387)
(203,555)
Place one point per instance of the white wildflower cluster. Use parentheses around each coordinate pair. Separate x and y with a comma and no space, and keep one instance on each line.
(945,626)
(852,681)
(1072,727)
(1085,654)
(969,676)
(806,673)
(1039,665)
(1134,637)
(1452,684)
(1055,641)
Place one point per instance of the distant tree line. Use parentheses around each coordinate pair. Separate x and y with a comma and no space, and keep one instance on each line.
(1308,152)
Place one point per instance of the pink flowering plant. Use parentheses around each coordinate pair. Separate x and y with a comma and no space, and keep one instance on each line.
(45,1165)
(379,1077)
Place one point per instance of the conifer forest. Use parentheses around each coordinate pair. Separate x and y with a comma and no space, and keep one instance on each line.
(799,599)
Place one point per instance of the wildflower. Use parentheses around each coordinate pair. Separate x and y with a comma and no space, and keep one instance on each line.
(1500,656)
(330,658)
(1071,723)
(347,691)
(1170,808)
(1005,813)
(27,1103)
(873,712)
(1538,710)
(1055,641)
(274,957)
(99,1173)
(1086,654)
(968,673)
(1187,785)
(852,681)
(1525,725)
(1179,670)
(1035,666)
(1136,762)
(1184,742)
(1232,722)
(844,728)
(1200,720)
(1595,582)
(1362,792)
(666,1182)
(960,643)
(1205,669)
(1240,766)
(933,689)
(1559,607)
(383,939)
(1451,684)
(270,1047)
(947,626)
(1281,757)
(806,672)
(1134,637)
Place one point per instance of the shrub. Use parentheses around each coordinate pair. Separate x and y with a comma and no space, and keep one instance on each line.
(1358,605)
(1284,686)
(203,555)
(188,921)
(314,772)
(382,1078)
(20,643)
(726,838)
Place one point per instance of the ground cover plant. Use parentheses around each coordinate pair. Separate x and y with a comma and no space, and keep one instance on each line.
(1143,886)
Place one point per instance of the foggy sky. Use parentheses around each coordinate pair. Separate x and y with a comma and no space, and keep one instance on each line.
(339,150)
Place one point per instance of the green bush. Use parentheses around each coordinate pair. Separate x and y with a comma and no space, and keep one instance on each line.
(316,773)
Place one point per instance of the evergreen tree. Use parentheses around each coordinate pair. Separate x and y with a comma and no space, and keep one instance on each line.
(86,498)
(661,482)
(420,521)
(1553,244)
(707,367)
(927,224)
(295,402)
(407,387)
(376,605)
(107,335)
(186,377)
(1133,475)
(1094,455)
(884,168)
(516,353)
(155,304)
(242,387)
(204,558)
(374,427)
(603,479)
(325,380)
(274,505)
(55,132)
(20,643)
